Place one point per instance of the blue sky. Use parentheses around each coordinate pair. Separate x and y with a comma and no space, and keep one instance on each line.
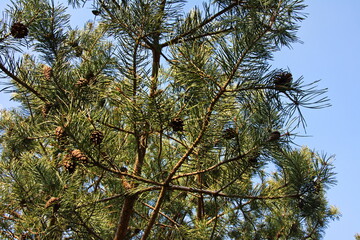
(330,52)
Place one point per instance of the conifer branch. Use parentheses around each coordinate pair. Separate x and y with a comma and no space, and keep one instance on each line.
(137,191)
(217,193)
(85,225)
(182,36)
(154,214)
(226,212)
(22,83)
(163,214)
(227,30)
(183,161)
(8,234)
(216,165)
(115,127)
(205,124)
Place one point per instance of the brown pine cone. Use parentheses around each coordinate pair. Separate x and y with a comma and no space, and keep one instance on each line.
(78,156)
(177,124)
(47,72)
(96,137)
(229,133)
(52,201)
(69,164)
(60,132)
(46,109)
(19,30)
(283,81)
(274,136)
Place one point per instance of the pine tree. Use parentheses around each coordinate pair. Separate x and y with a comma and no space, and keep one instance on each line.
(153,123)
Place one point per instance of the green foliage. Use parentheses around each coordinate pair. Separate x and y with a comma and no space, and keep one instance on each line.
(196,127)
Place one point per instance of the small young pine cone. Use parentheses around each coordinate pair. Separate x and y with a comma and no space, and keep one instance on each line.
(46,109)
(96,137)
(177,124)
(47,72)
(229,133)
(90,77)
(82,82)
(96,12)
(274,136)
(19,30)
(78,51)
(60,132)
(283,81)
(73,44)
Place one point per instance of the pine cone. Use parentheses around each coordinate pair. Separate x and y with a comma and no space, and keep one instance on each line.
(274,136)
(19,30)
(47,72)
(82,82)
(96,137)
(177,124)
(229,133)
(96,12)
(46,109)
(69,164)
(78,51)
(56,207)
(60,133)
(52,201)
(78,156)
(90,76)
(283,81)
(253,160)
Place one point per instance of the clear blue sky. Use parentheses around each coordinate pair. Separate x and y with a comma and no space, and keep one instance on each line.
(331,52)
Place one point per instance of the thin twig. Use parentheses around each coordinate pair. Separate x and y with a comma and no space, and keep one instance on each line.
(22,83)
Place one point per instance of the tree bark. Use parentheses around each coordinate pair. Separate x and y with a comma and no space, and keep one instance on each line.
(130,200)
(125,216)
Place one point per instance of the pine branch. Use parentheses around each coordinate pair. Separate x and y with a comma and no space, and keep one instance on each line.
(137,191)
(163,214)
(115,127)
(227,30)
(216,219)
(8,234)
(125,216)
(218,80)
(313,230)
(22,83)
(217,193)
(205,124)
(154,214)
(180,38)
(130,31)
(85,225)
(217,165)
(226,212)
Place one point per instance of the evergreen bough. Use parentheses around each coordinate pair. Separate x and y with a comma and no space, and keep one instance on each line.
(152,123)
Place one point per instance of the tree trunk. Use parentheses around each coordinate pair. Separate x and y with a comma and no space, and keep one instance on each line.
(130,200)
(125,216)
